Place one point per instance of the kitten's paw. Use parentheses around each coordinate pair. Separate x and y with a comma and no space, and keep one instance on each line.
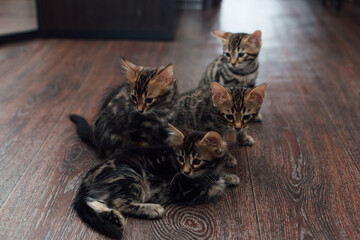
(154,210)
(231,179)
(245,141)
(258,118)
(231,161)
(116,219)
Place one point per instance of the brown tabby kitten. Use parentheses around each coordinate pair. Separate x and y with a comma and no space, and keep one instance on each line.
(238,66)
(149,91)
(137,181)
(221,109)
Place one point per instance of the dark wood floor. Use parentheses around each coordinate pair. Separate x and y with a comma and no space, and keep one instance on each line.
(300,180)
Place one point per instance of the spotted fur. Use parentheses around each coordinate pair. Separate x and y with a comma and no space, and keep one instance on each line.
(238,66)
(149,91)
(139,180)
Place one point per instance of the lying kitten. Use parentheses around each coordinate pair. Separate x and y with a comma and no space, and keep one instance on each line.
(150,91)
(238,66)
(137,181)
(220,109)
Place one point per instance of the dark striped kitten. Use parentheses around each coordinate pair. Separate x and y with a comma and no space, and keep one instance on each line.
(238,66)
(137,181)
(221,109)
(149,91)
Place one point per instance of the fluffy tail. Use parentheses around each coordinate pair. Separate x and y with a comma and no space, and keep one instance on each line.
(98,216)
(83,128)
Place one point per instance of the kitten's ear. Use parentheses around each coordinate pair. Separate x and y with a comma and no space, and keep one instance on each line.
(176,137)
(254,40)
(221,35)
(257,94)
(131,69)
(219,94)
(166,76)
(213,140)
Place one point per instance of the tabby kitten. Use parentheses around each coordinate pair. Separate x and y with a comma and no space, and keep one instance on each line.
(137,181)
(149,91)
(238,66)
(221,109)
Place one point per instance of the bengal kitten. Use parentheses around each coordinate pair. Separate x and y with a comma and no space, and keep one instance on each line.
(149,91)
(238,66)
(138,181)
(221,109)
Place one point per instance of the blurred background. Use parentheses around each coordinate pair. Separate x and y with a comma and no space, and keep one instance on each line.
(132,19)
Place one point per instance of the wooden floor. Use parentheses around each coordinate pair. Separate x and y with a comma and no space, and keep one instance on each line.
(301,180)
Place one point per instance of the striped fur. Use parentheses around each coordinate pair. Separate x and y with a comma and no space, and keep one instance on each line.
(137,181)
(238,66)
(149,94)
(221,109)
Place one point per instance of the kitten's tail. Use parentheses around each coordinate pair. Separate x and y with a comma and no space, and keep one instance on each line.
(83,128)
(97,215)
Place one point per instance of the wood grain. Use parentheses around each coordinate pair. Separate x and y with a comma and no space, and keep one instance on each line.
(299,181)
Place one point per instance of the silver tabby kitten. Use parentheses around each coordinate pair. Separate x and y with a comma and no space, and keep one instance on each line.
(139,180)
(238,66)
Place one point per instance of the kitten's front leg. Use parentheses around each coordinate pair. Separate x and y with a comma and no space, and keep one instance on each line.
(243,139)
(147,210)
(230,160)
(231,180)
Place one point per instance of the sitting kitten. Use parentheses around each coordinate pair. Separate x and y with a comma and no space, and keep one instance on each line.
(149,91)
(238,66)
(221,109)
(137,181)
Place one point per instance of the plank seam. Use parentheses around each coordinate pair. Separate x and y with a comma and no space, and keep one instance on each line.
(253,193)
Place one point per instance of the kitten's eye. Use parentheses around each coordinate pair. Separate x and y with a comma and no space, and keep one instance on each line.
(196,161)
(240,55)
(229,116)
(246,117)
(148,100)
(134,98)
(181,159)
(228,54)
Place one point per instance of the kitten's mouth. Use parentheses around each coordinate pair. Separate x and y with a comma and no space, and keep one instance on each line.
(188,174)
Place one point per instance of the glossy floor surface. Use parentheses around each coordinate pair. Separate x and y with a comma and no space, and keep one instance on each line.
(301,179)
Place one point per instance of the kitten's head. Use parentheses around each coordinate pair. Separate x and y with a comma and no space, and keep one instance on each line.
(237,106)
(150,87)
(197,153)
(239,48)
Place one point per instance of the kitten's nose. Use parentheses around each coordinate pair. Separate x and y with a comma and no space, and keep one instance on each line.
(237,126)
(233,62)
(186,173)
(140,109)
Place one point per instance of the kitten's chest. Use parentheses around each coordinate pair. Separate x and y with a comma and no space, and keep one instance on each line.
(237,77)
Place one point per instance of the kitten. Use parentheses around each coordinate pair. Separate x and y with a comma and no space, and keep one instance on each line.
(221,109)
(149,91)
(137,181)
(238,66)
